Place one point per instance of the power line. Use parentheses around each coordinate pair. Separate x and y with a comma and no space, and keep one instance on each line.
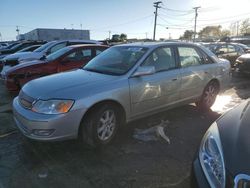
(224,18)
(125,23)
(180,24)
(175,27)
(174,17)
(177,14)
(175,10)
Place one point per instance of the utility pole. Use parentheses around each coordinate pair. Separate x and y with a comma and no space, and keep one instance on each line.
(156,5)
(196,15)
(146,35)
(109,34)
(17,30)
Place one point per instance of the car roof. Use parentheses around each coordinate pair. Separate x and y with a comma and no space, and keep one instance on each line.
(85,45)
(156,44)
(78,41)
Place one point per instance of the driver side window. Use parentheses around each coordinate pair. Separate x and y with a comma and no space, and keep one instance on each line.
(162,59)
(75,56)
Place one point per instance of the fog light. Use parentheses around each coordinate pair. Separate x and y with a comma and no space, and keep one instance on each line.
(43,132)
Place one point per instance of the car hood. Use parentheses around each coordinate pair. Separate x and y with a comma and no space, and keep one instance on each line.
(27,55)
(2,56)
(245,56)
(16,55)
(23,65)
(234,128)
(73,85)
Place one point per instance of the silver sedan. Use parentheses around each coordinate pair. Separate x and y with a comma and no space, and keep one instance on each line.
(124,83)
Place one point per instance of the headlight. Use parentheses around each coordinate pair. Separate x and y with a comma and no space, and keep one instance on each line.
(52,106)
(211,158)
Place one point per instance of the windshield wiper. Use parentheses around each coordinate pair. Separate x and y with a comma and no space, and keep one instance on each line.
(99,71)
(94,70)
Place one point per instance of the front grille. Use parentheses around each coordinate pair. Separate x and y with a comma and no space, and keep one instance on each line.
(242,181)
(25,100)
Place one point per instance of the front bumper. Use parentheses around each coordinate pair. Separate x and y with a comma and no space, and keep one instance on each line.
(198,177)
(242,67)
(60,127)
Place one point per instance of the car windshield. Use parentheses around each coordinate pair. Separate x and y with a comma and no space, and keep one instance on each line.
(11,45)
(243,46)
(27,49)
(58,54)
(116,60)
(16,46)
(43,47)
(210,53)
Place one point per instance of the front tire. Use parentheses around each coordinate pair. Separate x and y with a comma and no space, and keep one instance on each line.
(100,125)
(209,96)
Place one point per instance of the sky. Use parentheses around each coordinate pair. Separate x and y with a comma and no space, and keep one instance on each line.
(132,17)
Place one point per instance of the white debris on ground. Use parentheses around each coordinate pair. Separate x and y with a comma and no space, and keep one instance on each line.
(43,173)
(154,133)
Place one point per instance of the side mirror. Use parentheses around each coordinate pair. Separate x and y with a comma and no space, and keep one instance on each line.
(144,70)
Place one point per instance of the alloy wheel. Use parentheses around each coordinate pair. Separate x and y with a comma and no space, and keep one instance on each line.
(106,125)
(210,95)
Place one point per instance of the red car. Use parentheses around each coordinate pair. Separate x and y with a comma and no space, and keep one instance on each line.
(68,58)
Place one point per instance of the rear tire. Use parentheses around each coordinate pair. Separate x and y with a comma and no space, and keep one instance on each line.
(209,96)
(100,125)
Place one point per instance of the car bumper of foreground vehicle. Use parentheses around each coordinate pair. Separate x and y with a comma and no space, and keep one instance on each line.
(45,127)
(198,178)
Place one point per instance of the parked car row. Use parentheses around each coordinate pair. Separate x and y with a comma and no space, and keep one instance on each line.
(65,59)
(18,46)
(52,57)
(236,53)
(42,51)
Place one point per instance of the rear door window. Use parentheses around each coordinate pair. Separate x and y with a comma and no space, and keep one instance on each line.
(189,57)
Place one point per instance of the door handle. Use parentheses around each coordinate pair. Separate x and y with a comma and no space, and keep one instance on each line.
(205,72)
(174,79)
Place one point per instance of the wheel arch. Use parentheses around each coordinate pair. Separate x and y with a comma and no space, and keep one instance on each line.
(214,80)
(119,106)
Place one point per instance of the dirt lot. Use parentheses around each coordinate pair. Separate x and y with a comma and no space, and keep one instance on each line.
(128,162)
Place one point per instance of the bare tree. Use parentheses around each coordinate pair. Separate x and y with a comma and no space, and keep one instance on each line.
(245,27)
